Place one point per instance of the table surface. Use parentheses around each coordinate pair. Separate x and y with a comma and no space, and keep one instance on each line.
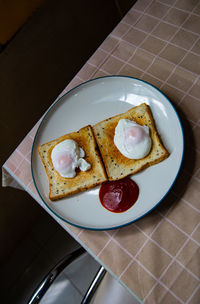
(157,257)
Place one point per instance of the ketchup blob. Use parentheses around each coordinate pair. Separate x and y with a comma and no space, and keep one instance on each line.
(120,195)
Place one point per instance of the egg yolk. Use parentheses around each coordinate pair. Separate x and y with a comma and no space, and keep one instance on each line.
(134,135)
(64,160)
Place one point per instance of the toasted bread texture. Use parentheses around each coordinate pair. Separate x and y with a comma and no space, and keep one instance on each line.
(118,166)
(59,186)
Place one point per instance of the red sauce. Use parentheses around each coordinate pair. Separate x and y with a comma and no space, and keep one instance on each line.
(118,196)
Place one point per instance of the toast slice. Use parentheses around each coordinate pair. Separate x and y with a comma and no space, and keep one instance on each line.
(59,186)
(118,166)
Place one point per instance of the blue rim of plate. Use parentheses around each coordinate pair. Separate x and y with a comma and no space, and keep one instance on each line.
(58,100)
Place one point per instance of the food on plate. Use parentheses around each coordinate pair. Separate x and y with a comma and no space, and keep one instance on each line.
(120,195)
(72,163)
(128,143)
(117,136)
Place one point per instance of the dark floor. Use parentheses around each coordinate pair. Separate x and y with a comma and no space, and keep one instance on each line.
(35,67)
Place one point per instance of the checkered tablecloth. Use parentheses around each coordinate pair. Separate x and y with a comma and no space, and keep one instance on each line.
(158,257)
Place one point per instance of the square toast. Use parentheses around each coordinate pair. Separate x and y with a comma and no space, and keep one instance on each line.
(118,166)
(59,186)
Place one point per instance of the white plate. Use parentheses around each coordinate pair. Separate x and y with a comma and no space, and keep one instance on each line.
(90,103)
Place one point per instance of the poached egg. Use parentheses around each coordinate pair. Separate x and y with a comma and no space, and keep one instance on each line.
(132,139)
(66,156)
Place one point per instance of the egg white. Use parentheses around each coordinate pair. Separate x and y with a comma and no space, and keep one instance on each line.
(71,147)
(140,149)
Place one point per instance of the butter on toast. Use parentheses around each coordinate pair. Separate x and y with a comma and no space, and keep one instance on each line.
(59,186)
(118,166)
